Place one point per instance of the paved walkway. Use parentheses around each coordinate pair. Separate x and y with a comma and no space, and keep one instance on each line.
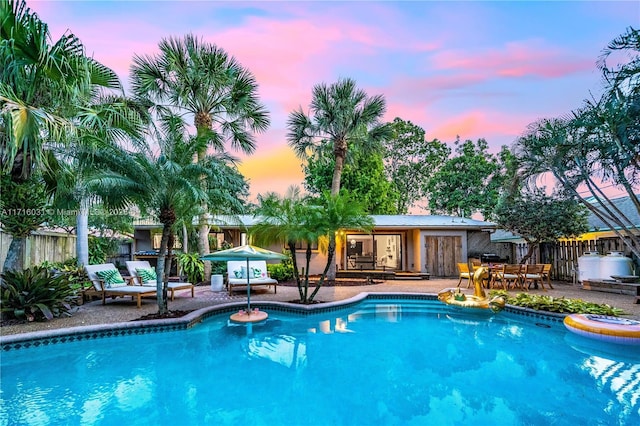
(123,309)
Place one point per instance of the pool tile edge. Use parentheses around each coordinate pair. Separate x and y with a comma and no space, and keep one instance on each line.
(51,337)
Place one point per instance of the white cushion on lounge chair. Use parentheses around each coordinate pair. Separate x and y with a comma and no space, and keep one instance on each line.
(134,265)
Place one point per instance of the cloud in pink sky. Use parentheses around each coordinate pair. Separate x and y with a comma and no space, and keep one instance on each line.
(467,69)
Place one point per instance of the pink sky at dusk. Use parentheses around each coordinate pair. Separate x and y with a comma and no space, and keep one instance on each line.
(471,69)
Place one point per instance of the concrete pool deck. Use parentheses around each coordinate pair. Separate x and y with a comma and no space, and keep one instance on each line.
(123,309)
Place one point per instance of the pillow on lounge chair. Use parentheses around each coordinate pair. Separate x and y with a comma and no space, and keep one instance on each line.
(241,273)
(111,277)
(257,272)
(147,275)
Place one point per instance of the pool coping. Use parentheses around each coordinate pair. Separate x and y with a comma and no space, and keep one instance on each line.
(90,332)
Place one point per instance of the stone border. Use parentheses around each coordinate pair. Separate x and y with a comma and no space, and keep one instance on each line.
(51,337)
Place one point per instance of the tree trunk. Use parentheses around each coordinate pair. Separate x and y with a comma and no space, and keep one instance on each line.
(15,255)
(203,246)
(185,238)
(162,278)
(82,233)
(202,121)
(531,246)
(335,190)
(296,273)
(330,253)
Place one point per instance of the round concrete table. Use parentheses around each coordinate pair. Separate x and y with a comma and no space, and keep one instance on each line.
(252,316)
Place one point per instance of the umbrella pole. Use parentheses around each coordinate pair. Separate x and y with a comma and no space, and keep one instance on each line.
(248,290)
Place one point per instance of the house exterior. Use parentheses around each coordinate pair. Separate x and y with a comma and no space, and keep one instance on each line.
(422,244)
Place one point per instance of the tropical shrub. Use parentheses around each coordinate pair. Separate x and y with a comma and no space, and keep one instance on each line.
(557,304)
(75,275)
(100,248)
(191,266)
(281,271)
(35,294)
(218,268)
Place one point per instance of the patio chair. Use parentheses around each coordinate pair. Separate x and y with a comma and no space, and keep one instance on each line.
(509,276)
(144,275)
(546,273)
(108,282)
(464,273)
(533,275)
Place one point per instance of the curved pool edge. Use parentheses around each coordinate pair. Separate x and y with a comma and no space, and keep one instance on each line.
(89,332)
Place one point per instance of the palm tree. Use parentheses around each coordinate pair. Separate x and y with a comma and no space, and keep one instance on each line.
(44,88)
(341,116)
(192,77)
(289,220)
(293,219)
(163,181)
(42,85)
(108,121)
(338,212)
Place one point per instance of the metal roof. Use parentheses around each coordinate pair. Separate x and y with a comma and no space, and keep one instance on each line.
(380,221)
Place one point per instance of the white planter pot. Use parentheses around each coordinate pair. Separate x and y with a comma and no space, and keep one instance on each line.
(217,282)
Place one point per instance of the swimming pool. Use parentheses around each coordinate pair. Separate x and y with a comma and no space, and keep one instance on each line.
(392,361)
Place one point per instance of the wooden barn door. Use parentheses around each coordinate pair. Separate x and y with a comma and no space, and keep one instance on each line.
(442,255)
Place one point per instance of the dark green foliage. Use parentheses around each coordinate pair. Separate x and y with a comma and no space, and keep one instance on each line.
(281,271)
(23,206)
(35,294)
(464,184)
(363,177)
(410,161)
(556,304)
(540,218)
(76,275)
(218,268)
(191,266)
(100,248)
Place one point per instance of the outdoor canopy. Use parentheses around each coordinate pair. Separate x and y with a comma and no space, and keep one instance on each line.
(246,252)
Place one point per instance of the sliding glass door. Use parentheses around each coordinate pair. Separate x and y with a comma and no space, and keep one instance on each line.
(374,252)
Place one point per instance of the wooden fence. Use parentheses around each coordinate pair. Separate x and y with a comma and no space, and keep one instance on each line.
(564,255)
(41,246)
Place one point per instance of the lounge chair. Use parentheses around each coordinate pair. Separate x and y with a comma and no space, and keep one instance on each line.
(144,275)
(258,275)
(108,282)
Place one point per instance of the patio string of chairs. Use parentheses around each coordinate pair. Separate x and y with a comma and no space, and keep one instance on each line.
(509,276)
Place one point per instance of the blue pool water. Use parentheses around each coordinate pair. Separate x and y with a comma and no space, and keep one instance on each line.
(391,362)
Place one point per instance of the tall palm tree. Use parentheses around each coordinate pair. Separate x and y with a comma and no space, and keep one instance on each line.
(109,120)
(44,87)
(195,78)
(341,116)
(163,181)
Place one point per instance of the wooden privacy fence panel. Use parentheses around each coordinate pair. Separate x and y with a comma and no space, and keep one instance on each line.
(41,246)
(564,255)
